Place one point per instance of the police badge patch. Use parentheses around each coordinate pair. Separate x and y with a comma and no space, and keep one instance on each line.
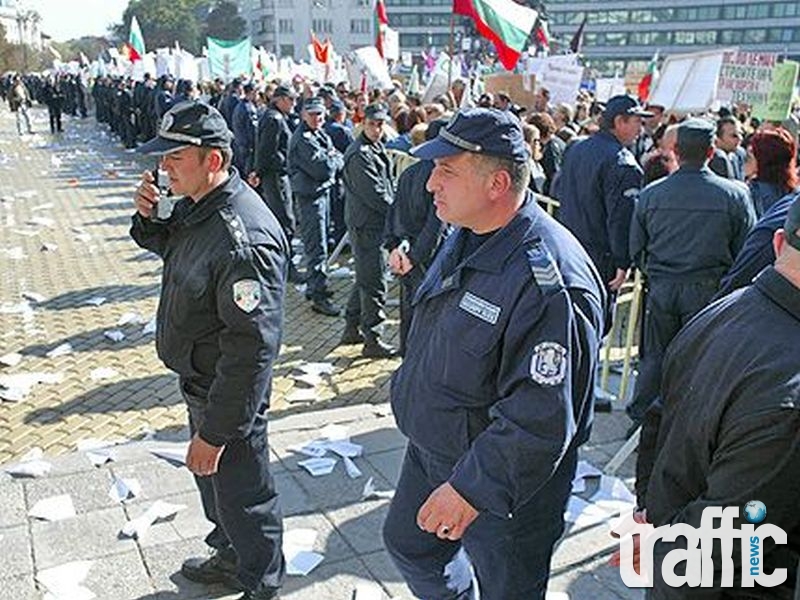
(549,363)
(247,294)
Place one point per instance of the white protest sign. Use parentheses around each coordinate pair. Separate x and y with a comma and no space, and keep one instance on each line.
(561,75)
(746,77)
(688,82)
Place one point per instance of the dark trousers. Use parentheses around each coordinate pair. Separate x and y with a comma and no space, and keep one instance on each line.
(511,557)
(54,113)
(277,193)
(337,224)
(241,501)
(314,233)
(365,306)
(668,307)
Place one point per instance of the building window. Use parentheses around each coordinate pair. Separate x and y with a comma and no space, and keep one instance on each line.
(784,9)
(684,38)
(757,11)
(755,36)
(285,26)
(705,37)
(732,36)
(360,26)
(322,26)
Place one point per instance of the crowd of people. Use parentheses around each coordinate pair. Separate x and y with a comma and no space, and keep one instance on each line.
(503,308)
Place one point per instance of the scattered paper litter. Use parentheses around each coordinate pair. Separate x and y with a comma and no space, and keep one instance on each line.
(302,395)
(317,368)
(298,550)
(14,387)
(370,492)
(150,327)
(352,470)
(334,432)
(368,590)
(584,514)
(83,237)
(115,335)
(42,221)
(341,273)
(55,161)
(176,454)
(309,379)
(27,194)
(313,449)
(578,486)
(56,508)
(64,581)
(60,350)
(586,469)
(14,253)
(612,488)
(49,247)
(100,456)
(95,300)
(30,465)
(123,490)
(12,359)
(15,308)
(129,317)
(318,466)
(88,444)
(158,511)
(344,448)
(103,373)
(34,297)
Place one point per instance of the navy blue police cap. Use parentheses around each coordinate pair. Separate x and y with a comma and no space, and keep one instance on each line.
(376,112)
(284,91)
(314,105)
(696,132)
(187,124)
(480,131)
(337,106)
(623,105)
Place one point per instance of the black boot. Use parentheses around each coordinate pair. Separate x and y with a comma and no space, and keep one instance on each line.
(351,336)
(220,567)
(378,349)
(325,307)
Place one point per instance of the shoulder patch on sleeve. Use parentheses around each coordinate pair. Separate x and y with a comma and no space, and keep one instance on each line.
(549,363)
(246,294)
(544,268)
(626,158)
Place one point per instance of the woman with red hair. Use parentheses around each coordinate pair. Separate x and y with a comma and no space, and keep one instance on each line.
(771,167)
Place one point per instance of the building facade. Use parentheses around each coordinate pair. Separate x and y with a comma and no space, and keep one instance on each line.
(620,32)
(21,23)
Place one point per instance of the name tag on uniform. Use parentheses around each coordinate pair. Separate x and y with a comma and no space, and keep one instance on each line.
(478,307)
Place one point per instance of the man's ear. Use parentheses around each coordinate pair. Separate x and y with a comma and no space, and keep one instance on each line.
(779,241)
(500,182)
(214,159)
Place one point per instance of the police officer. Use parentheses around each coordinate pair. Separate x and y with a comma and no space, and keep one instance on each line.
(163,99)
(686,232)
(342,136)
(219,327)
(598,186)
(729,428)
(369,190)
(495,390)
(313,163)
(271,169)
(245,123)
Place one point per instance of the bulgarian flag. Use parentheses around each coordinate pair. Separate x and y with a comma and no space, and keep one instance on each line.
(507,24)
(381,20)
(646,83)
(135,42)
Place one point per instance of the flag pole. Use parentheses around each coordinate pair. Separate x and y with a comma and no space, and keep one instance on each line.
(452,44)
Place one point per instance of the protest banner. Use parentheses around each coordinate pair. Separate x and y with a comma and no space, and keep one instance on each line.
(228,59)
(367,61)
(688,82)
(607,87)
(779,99)
(745,77)
(561,75)
(513,85)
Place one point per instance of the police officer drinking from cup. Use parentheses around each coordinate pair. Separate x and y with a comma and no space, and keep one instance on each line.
(219,327)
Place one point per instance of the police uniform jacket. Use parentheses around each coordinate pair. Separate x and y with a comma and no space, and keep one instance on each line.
(690,226)
(757,253)
(597,188)
(729,430)
(313,162)
(368,184)
(498,373)
(163,102)
(340,134)
(221,307)
(245,121)
(272,145)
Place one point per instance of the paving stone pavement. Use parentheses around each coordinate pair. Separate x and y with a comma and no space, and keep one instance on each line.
(65,205)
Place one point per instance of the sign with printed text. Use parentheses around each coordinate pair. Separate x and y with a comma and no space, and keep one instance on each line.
(779,100)
(745,77)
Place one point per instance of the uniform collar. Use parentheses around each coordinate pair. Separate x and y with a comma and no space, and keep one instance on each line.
(780,290)
(211,202)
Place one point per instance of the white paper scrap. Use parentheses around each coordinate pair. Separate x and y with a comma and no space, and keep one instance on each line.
(584,514)
(313,449)
(48,247)
(14,388)
(123,490)
(302,563)
(318,466)
(158,511)
(309,379)
(103,373)
(302,395)
(586,469)
(15,253)
(334,432)
(30,465)
(87,444)
(12,359)
(317,368)
(33,297)
(176,454)
(150,327)
(352,470)
(64,582)
(129,317)
(370,492)
(612,488)
(60,350)
(344,448)
(83,237)
(56,508)
(368,590)
(95,300)
(42,221)
(100,456)
(115,335)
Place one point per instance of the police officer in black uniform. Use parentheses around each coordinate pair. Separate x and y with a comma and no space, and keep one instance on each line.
(685,234)
(728,426)
(495,390)
(219,327)
(313,163)
(369,190)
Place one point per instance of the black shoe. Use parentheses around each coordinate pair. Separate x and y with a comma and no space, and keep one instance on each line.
(325,307)
(262,593)
(351,336)
(296,276)
(219,568)
(327,294)
(378,349)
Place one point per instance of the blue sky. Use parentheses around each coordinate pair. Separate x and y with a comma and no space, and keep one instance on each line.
(67,19)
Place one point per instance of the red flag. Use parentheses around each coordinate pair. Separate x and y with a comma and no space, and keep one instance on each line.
(646,83)
(380,21)
(321,51)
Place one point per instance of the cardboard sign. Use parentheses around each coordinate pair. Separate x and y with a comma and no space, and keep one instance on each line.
(513,84)
(779,100)
(746,77)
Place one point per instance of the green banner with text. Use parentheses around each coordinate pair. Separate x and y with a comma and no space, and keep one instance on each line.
(779,99)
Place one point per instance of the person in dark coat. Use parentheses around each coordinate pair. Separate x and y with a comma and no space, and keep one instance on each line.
(219,326)
(54,99)
(245,125)
(342,136)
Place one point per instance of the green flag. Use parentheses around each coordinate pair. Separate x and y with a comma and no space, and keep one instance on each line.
(228,59)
